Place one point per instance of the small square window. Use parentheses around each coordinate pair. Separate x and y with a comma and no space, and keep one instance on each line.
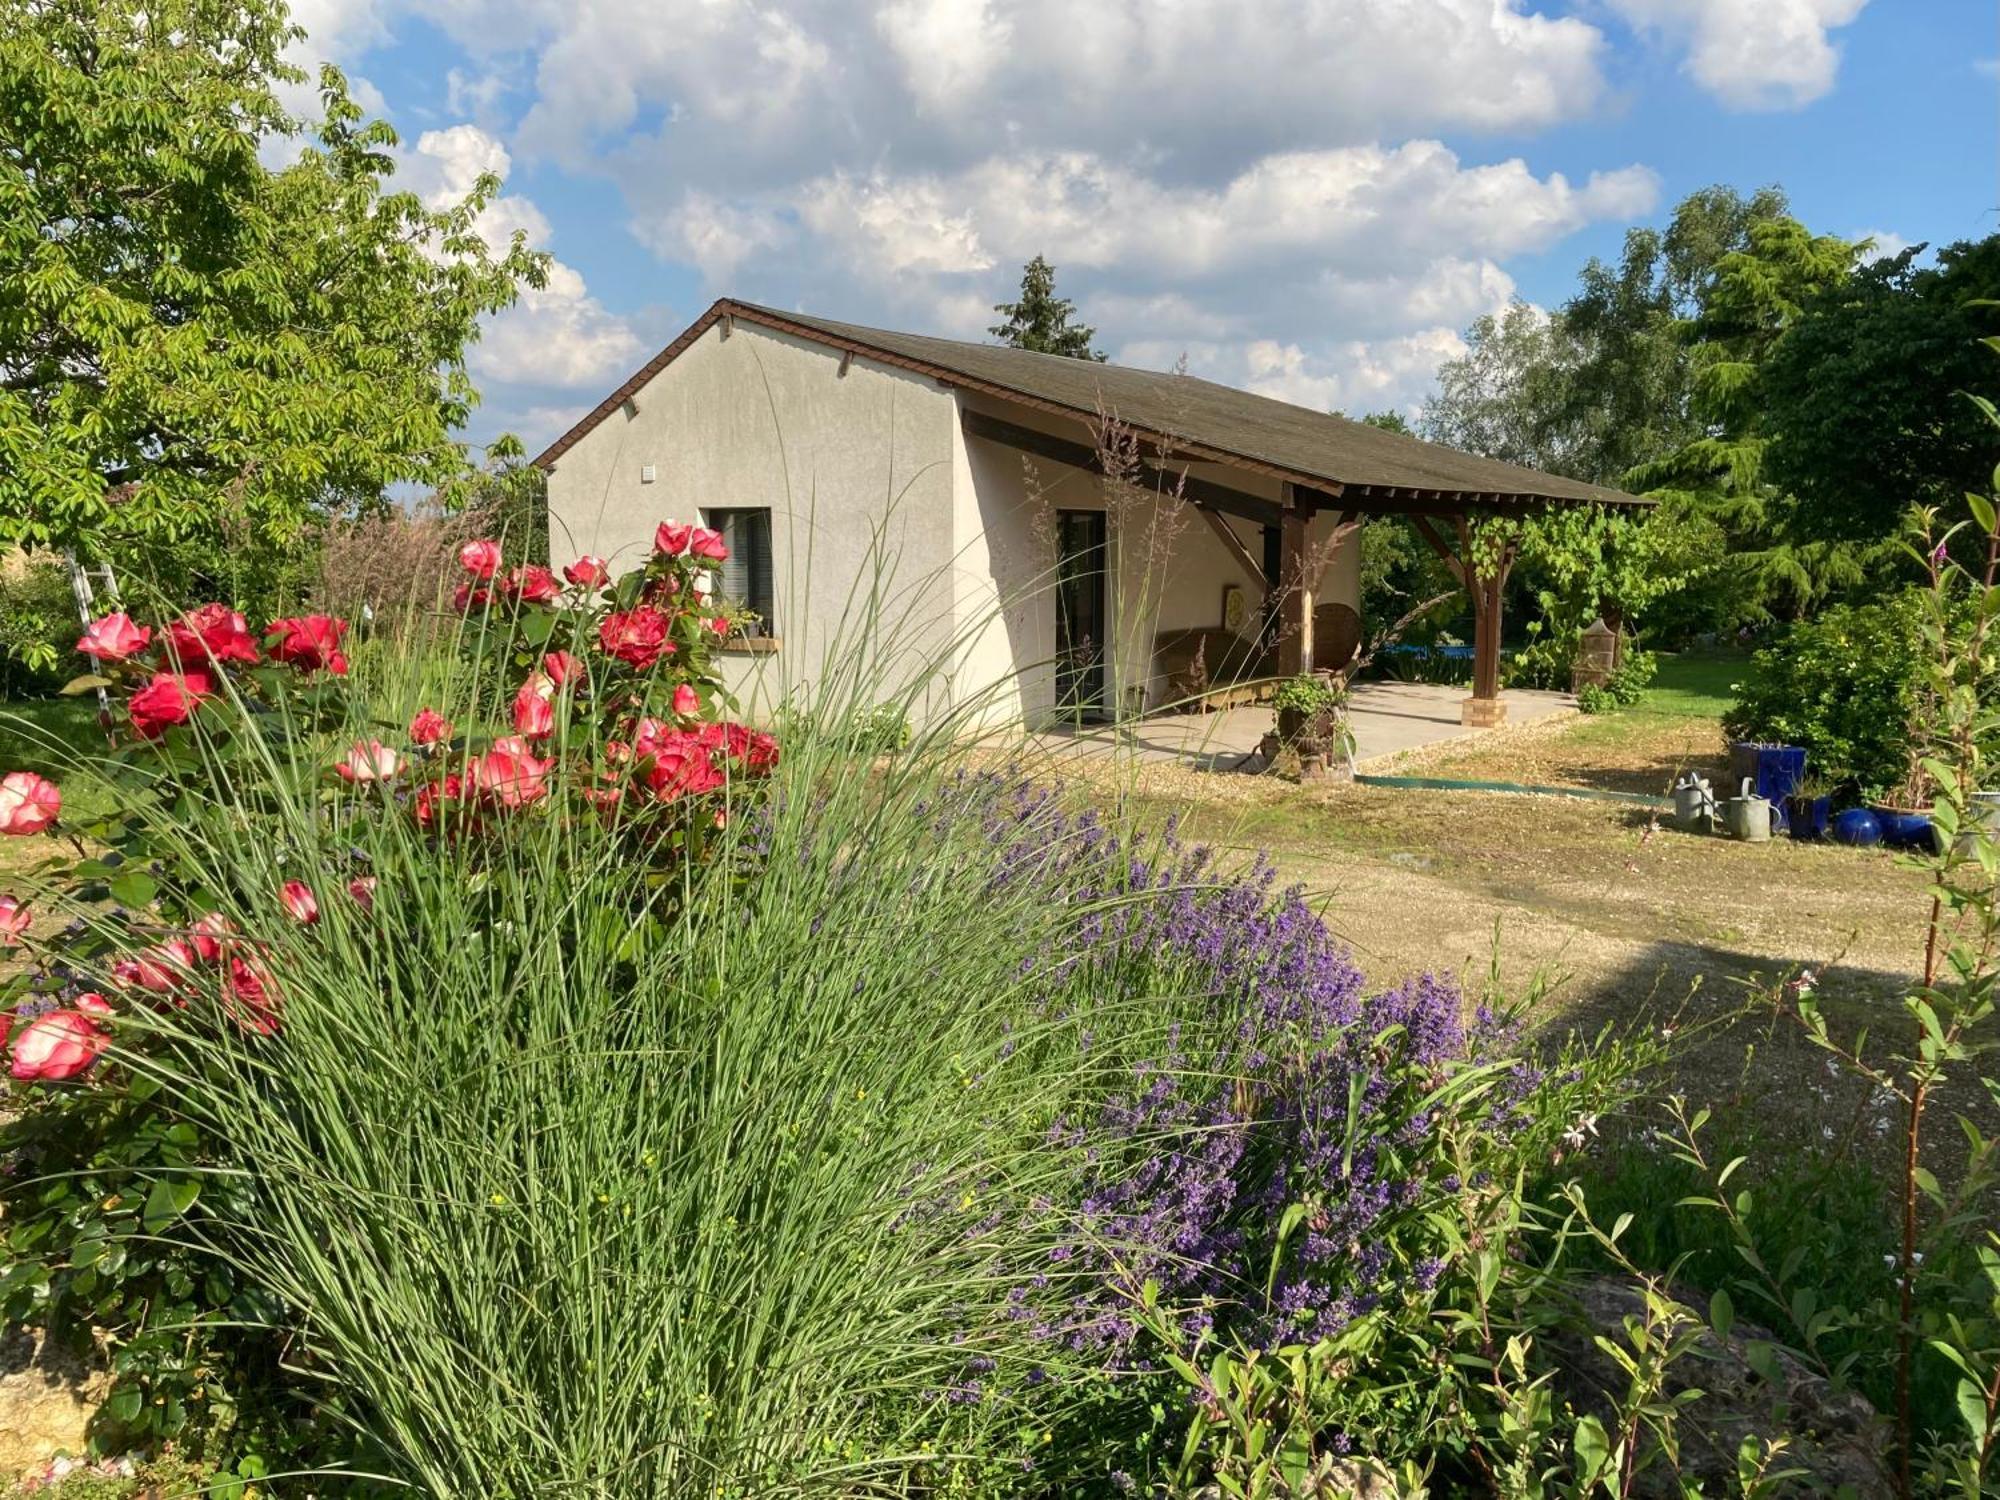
(745,575)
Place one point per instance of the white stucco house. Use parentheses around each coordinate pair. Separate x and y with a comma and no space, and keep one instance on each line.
(929,512)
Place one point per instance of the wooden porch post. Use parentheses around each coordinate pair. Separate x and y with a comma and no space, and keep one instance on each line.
(1295,600)
(1485,708)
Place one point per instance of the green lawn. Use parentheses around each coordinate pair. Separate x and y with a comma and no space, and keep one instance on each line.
(1694,684)
(48,735)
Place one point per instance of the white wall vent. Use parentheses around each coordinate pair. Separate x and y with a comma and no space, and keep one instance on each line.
(646,475)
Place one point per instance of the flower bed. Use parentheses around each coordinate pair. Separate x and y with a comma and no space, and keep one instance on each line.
(497,1072)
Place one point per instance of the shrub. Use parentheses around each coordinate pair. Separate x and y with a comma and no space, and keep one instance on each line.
(1623,688)
(38,624)
(1844,686)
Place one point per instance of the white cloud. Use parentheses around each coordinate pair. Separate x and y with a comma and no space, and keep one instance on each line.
(1195,81)
(1752,54)
(554,336)
(1887,243)
(559,336)
(1257,184)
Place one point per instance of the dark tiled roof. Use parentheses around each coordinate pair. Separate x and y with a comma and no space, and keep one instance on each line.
(1198,417)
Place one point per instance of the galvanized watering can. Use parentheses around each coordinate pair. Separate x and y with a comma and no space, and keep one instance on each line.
(1749,816)
(1694,804)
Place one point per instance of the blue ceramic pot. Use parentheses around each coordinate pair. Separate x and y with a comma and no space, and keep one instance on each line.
(1859,827)
(1808,817)
(1774,771)
(1903,829)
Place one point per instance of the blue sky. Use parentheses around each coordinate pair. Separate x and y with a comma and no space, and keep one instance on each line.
(1311,198)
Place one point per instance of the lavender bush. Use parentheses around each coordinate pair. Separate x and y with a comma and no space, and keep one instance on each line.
(1265,1154)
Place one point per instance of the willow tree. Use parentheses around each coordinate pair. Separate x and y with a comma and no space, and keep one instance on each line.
(216,324)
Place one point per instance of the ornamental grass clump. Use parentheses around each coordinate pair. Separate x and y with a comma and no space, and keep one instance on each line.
(584,1094)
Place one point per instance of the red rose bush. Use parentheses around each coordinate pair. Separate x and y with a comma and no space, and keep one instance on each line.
(607,720)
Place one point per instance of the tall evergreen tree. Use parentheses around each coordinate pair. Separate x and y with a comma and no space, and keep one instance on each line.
(1041,320)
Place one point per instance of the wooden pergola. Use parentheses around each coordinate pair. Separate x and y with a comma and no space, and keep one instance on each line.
(1443,518)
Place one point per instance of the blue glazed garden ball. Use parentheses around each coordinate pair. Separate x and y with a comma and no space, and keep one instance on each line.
(1858,826)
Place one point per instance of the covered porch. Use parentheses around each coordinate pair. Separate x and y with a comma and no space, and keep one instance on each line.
(1387,718)
(1289,546)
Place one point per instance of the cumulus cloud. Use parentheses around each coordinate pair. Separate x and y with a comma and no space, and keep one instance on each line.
(1259,185)
(1884,243)
(558,335)
(1752,54)
(1195,82)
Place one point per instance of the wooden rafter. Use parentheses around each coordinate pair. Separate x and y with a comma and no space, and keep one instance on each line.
(1226,534)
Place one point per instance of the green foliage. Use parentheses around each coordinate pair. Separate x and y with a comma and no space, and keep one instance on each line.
(38,624)
(1503,398)
(1864,395)
(1843,685)
(109,1228)
(202,348)
(1624,688)
(1584,564)
(1309,694)
(171,1477)
(1754,296)
(1041,320)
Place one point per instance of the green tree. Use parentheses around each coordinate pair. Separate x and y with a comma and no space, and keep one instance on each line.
(1041,320)
(1755,295)
(197,347)
(1606,382)
(1864,396)
(1627,396)
(1503,398)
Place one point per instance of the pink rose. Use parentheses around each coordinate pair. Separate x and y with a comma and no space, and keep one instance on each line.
(437,798)
(707,545)
(687,702)
(531,583)
(534,715)
(167,700)
(114,638)
(681,767)
(301,905)
(720,625)
(562,668)
(207,936)
(14,920)
(213,632)
(28,803)
(251,998)
(159,971)
(429,727)
(588,572)
(637,637)
(481,558)
(369,760)
(309,643)
(465,597)
(672,539)
(62,1044)
(362,889)
(509,774)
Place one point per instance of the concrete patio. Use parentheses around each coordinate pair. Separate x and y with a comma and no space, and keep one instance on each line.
(1387,717)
